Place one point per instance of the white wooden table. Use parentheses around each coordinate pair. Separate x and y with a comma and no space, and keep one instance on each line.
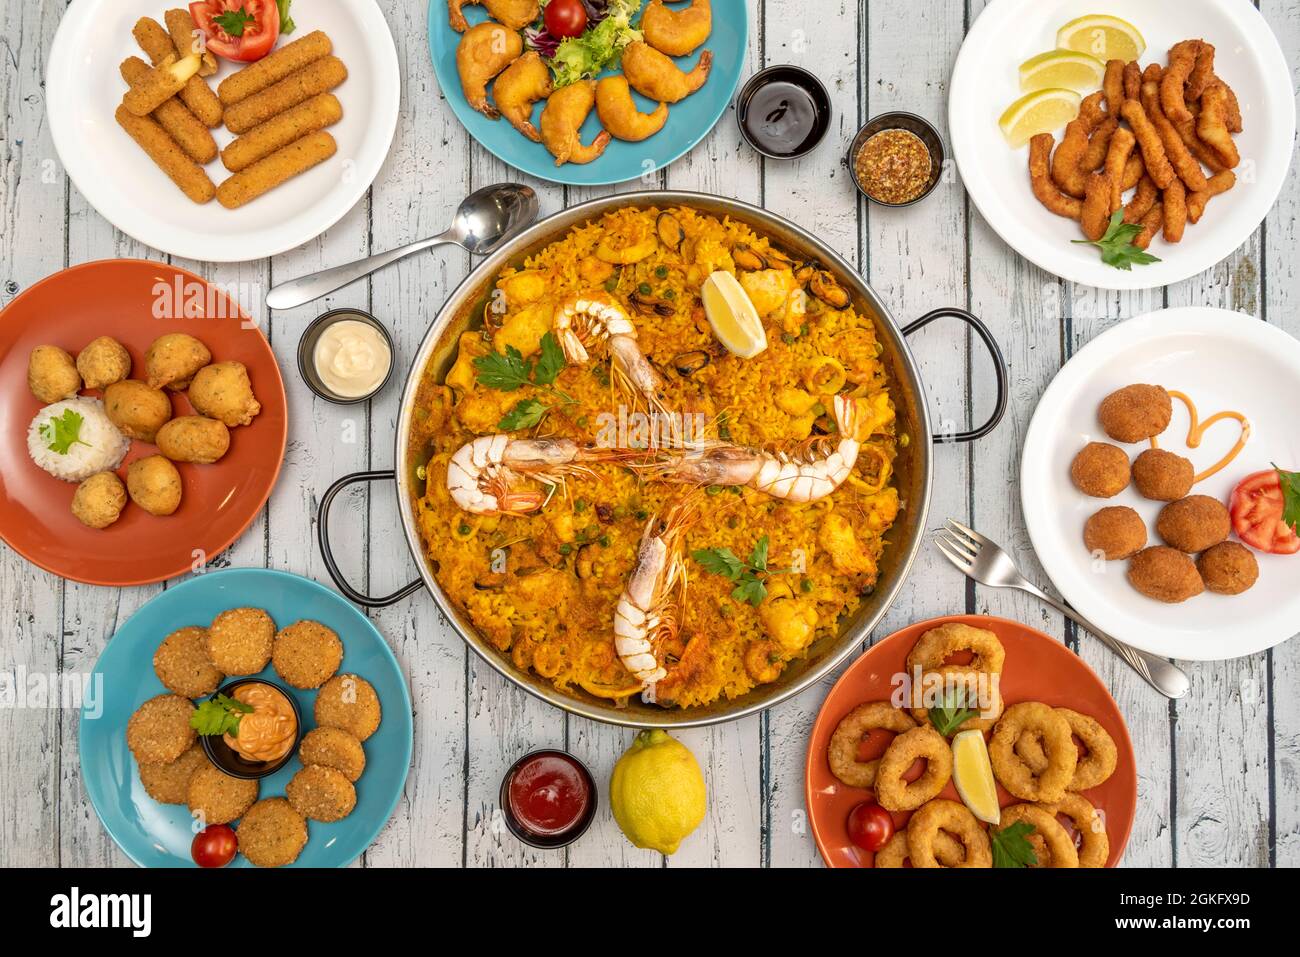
(1219,772)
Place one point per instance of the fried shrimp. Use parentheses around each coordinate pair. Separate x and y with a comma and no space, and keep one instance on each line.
(519,86)
(948,851)
(1052,843)
(1212,124)
(934,647)
(483,52)
(953,820)
(618,112)
(1058,746)
(1045,190)
(896,794)
(656,76)
(1153,150)
(677,32)
(1094,845)
(515,14)
(1094,767)
(842,753)
(562,118)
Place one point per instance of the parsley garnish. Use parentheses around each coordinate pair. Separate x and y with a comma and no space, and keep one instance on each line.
(524,415)
(952,714)
(1117,247)
(233,22)
(1011,847)
(62,432)
(749,575)
(1290,482)
(219,715)
(509,371)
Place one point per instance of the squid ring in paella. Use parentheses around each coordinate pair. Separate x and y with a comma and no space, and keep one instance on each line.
(951,818)
(842,753)
(1049,837)
(1010,769)
(896,794)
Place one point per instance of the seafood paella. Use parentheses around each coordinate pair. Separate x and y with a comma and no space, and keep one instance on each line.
(622,504)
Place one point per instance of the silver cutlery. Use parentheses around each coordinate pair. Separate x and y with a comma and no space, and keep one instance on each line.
(984,561)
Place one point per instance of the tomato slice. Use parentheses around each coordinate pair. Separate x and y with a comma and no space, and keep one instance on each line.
(259,27)
(1256,507)
(870,826)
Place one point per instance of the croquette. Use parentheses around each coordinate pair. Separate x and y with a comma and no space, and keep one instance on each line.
(223,391)
(170,783)
(349,702)
(99,500)
(1164,574)
(1194,524)
(159,731)
(215,797)
(193,438)
(271,833)
(1116,532)
(182,665)
(240,640)
(103,362)
(138,410)
(306,654)
(52,375)
(1162,476)
(1135,412)
(1228,568)
(154,484)
(173,359)
(1100,470)
(334,748)
(321,793)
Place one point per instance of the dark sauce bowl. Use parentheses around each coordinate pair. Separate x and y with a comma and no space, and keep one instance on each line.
(920,127)
(551,840)
(230,761)
(783,112)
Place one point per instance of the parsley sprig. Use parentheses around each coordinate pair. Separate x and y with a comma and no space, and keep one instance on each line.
(62,432)
(509,371)
(233,22)
(1116,245)
(219,715)
(750,576)
(952,714)
(1011,847)
(1290,482)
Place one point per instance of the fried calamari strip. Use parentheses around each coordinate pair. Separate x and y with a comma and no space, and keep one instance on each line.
(1040,151)
(1212,125)
(1066,163)
(1180,158)
(1099,145)
(1153,151)
(1182,58)
(1150,226)
(1132,80)
(1121,145)
(1142,200)
(1095,214)
(1112,85)
(1220,182)
(1202,74)
(1175,203)
(1134,170)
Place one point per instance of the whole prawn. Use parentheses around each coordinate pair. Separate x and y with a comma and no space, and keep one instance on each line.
(595,317)
(485,475)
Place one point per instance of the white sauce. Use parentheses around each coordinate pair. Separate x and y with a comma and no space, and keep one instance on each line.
(352,358)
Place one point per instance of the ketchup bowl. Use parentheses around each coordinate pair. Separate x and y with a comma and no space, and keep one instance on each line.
(548,799)
(230,761)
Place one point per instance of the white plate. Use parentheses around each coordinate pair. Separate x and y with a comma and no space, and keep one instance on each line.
(1222,360)
(84,88)
(985,82)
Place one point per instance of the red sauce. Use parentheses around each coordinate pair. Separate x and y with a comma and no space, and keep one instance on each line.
(548,794)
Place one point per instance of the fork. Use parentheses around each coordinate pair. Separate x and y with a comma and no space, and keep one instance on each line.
(985,562)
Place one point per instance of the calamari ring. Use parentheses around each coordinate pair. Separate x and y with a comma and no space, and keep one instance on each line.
(1047,786)
(1094,845)
(842,754)
(933,647)
(1094,767)
(954,820)
(1050,838)
(961,676)
(948,851)
(895,794)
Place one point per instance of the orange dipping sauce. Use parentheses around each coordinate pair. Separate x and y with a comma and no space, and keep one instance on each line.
(270,730)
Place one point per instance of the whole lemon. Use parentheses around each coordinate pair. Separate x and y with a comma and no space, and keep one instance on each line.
(657,792)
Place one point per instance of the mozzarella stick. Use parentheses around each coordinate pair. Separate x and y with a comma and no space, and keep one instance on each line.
(316,78)
(1175,203)
(180,124)
(197,96)
(1220,182)
(315,114)
(159,84)
(1112,85)
(1040,150)
(1212,127)
(187,39)
(1121,145)
(1142,200)
(1099,145)
(1180,157)
(1153,151)
(1150,226)
(274,67)
(269,172)
(165,151)
(1094,217)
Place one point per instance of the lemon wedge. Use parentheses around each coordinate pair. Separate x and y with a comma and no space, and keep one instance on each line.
(1103,36)
(973,776)
(1067,69)
(1039,112)
(732,315)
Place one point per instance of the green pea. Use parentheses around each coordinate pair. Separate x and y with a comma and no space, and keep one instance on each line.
(787,338)
(464,530)
(620,513)
(604,541)
(713,489)
(580,505)
(641,515)
(644,289)
(670,294)
(611,283)
(582,422)
(566,548)
(661,272)
(806,585)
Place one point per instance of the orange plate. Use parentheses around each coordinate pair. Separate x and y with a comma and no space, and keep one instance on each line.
(117,298)
(1038,668)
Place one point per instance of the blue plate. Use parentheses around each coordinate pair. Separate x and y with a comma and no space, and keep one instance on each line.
(159,835)
(688,121)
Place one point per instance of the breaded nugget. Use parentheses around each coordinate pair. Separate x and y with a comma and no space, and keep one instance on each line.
(137,409)
(1040,150)
(306,654)
(159,731)
(167,153)
(1135,412)
(1220,182)
(182,665)
(1094,216)
(170,783)
(214,797)
(223,391)
(271,833)
(1175,203)
(99,500)
(1212,124)
(52,374)
(1142,200)
(1228,568)
(282,165)
(196,94)
(103,362)
(1162,476)
(1121,146)
(349,702)
(172,359)
(159,84)
(1153,151)
(1115,532)
(194,438)
(274,67)
(1164,574)
(334,748)
(279,131)
(318,77)
(154,484)
(1100,470)
(240,640)
(181,125)
(321,793)
(1194,523)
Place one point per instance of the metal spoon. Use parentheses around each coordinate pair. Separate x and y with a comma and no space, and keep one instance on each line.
(486,218)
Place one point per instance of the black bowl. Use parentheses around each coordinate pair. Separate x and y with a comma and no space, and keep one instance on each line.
(919,126)
(808,93)
(548,841)
(307,352)
(230,761)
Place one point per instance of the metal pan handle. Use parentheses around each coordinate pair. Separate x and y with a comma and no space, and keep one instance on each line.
(323,535)
(999,368)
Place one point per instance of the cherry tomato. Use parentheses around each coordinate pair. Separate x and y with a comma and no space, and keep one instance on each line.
(214,846)
(870,826)
(1256,506)
(259,27)
(565,18)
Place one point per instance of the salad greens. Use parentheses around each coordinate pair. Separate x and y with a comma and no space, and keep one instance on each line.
(598,49)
